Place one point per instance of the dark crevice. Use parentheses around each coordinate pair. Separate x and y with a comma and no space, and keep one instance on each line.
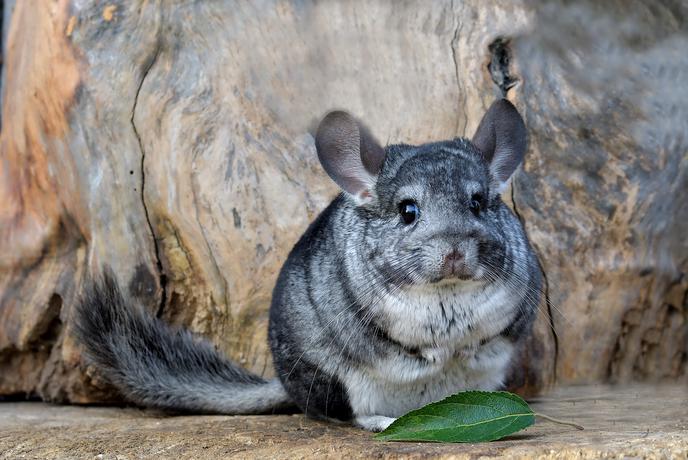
(548,302)
(551,318)
(500,65)
(49,328)
(158,260)
(20,397)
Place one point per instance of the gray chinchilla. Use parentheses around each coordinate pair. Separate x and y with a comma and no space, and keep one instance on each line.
(413,284)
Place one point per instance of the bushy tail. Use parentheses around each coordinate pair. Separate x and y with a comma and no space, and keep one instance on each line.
(155,365)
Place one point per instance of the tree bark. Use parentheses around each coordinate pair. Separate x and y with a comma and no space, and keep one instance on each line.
(173,142)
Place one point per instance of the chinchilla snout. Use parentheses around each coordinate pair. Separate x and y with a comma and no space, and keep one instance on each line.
(458,255)
(459,261)
(454,264)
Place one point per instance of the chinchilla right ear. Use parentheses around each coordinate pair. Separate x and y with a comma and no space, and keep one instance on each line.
(350,154)
(501,137)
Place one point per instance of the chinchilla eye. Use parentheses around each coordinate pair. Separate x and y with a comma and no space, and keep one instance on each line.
(408,209)
(476,203)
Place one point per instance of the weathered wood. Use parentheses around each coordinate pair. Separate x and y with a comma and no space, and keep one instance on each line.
(641,421)
(71,202)
(171,141)
(604,190)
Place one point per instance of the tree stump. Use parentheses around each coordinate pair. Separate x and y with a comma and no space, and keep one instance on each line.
(173,142)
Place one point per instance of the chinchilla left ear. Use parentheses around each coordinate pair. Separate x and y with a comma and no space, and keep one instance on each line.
(501,137)
(350,154)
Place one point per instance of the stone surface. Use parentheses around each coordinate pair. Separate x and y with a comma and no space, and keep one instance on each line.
(637,422)
(171,141)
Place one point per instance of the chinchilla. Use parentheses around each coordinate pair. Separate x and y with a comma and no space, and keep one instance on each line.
(415,283)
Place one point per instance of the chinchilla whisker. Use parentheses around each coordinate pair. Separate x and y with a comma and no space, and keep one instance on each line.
(534,296)
(528,295)
(344,347)
(511,281)
(371,306)
(541,291)
(333,320)
(373,288)
(365,321)
(320,362)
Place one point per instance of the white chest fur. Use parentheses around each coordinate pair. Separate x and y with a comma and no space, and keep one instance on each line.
(371,393)
(446,324)
(454,315)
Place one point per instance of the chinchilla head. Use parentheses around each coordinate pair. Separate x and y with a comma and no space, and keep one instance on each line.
(427,213)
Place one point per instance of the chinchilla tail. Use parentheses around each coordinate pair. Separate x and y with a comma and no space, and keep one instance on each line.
(157,366)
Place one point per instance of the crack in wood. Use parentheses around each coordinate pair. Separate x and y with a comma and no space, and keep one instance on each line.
(548,302)
(454,50)
(162,278)
(499,68)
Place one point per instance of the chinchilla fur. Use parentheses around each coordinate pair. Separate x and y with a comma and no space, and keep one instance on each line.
(415,283)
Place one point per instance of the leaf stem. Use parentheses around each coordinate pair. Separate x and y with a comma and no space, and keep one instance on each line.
(561,422)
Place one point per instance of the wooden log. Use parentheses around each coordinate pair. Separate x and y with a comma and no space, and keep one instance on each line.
(171,140)
(601,191)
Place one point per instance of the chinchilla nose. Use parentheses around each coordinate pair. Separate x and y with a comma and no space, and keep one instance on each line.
(453,263)
(454,256)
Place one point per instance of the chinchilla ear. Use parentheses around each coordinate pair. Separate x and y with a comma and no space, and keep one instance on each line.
(501,137)
(349,154)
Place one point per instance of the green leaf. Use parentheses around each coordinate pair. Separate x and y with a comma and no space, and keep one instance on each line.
(470,416)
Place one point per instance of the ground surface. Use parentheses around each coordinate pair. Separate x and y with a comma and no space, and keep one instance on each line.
(630,421)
